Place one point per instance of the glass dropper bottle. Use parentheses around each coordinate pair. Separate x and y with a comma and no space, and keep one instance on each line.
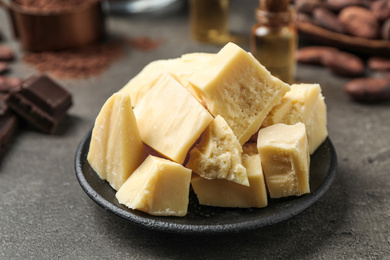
(274,38)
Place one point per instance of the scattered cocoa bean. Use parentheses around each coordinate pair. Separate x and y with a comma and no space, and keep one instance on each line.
(359,21)
(343,63)
(368,89)
(306,6)
(4,67)
(337,5)
(327,19)
(386,74)
(313,54)
(8,83)
(6,53)
(381,9)
(378,64)
(385,31)
(302,17)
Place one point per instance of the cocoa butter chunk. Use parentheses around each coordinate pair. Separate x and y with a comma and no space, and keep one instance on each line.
(368,89)
(158,187)
(224,193)
(313,54)
(218,154)
(116,149)
(230,83)
(344,64)
(6,53)
(170,119)
(360,22)
(284,155)
(40,101)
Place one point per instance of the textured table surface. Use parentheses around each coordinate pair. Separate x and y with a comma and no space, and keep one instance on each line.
(44,213)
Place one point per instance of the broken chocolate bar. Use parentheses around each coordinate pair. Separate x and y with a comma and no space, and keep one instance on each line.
(40,101)
(8,125)
(3,104)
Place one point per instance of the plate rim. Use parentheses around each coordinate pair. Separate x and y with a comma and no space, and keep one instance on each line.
(180,228)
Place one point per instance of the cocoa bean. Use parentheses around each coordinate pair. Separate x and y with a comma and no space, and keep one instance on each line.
(8,83)
(302,17)
(343,63)
(385,31)
(327,19)
(378,64)
(4,67)
(359,21)
(306,6)
(6,53)
(313,54)
(368,89)
(337,5)
(381,9)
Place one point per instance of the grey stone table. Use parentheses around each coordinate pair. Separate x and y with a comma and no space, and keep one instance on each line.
(44,213)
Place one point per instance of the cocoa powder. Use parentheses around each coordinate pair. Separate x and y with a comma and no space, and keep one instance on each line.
(143,43)
(77,63)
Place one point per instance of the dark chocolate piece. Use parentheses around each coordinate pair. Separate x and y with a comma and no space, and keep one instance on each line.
(3,104)
(8,83)
(45,93)
(40,101)
(8,125)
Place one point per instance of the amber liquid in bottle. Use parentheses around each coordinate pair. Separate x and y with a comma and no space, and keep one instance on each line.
(274,43)
(209,20)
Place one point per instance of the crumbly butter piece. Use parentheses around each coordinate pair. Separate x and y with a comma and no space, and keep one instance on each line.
(224,193)
(116,149)
(158,187)
(170,119)
(218,154)
(236,86)
(285,159)
(182,68)
(303,103)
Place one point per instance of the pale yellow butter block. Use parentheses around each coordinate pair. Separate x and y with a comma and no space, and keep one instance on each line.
(223,193)
(218,154)
(116,149)
(158,187)
(182,68)
(285,159)
(170,119)
(236,86)
(316,125)
(303,103)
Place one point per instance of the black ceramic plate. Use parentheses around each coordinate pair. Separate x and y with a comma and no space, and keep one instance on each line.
(212,220)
